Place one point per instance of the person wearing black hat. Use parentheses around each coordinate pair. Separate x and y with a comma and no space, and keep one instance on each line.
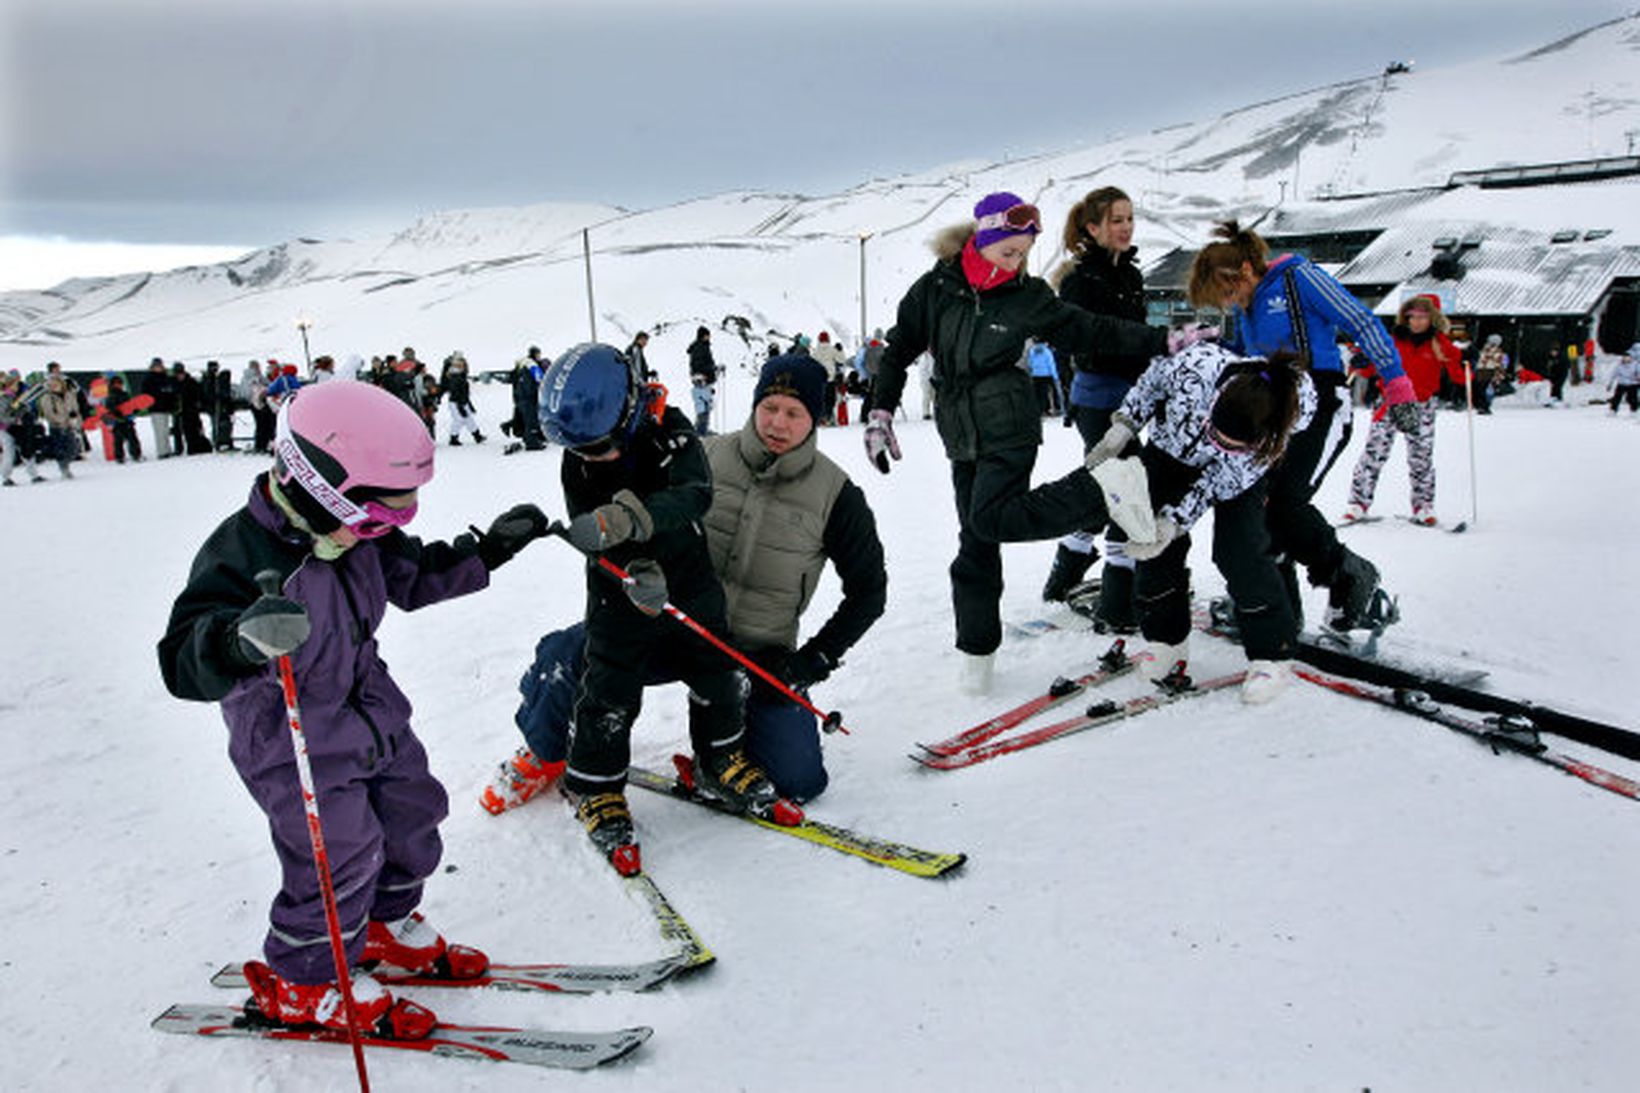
(780,511)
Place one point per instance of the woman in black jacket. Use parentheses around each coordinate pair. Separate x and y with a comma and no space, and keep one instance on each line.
(973,313)
(1102,277)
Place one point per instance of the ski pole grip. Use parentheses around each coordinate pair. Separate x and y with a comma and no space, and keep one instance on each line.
(269,582)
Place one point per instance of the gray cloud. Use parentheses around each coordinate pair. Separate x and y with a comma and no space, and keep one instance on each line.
(201,122)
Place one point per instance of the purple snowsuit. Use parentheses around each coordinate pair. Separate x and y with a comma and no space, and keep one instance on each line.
(379,803)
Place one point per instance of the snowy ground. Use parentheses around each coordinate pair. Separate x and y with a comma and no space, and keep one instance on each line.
(1318,894)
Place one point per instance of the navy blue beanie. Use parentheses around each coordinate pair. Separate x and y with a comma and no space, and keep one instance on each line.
(798,376)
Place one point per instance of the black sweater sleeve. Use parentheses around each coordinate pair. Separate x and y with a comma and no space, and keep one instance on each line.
(850,541)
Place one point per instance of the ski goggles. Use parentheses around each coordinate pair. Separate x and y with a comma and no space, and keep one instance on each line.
(597,449)
(379,519)
(366,519)
(1018,218)
(1227,445)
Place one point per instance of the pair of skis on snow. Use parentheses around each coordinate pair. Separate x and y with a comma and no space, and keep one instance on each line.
(551,1048)
(995,737)
(1435,694)
(537,1047)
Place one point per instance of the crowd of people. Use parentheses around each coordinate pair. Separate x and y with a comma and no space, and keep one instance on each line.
(728,531)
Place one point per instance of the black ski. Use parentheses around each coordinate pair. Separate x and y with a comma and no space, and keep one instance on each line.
(1502,732)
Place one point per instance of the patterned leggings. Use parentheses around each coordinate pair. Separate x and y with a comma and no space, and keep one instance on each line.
(1420,460)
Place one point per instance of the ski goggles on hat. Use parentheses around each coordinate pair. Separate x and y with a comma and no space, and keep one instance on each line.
(1019,218)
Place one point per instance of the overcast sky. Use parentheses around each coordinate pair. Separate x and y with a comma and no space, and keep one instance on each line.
(254,121)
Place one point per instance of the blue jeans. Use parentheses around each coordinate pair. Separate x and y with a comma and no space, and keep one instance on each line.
(703,393)
(781,737)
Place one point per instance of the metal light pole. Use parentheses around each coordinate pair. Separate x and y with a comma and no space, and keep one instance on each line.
(302,324)
(586,257)
(863,328)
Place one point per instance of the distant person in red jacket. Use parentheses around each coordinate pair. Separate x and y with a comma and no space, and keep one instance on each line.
(1427,354)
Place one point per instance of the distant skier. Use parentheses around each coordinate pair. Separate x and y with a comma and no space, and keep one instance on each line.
(703,377)
(326,521)
(1429,357)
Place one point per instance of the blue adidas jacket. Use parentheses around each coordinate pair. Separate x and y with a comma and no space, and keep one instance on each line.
(1328,308)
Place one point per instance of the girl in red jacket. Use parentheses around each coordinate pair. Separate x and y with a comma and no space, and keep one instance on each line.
(1426,352)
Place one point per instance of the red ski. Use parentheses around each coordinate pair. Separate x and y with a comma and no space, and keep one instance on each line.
(1102,713)
(1501,732)
(1115,662)
(537,1047)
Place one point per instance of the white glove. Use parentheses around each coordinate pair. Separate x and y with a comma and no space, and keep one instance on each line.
(1166,532)
(1126,487)
(1120,434)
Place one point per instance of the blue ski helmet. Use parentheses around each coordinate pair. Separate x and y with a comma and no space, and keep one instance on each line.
(590,396)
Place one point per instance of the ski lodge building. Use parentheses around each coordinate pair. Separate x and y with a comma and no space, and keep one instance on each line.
(1547,255)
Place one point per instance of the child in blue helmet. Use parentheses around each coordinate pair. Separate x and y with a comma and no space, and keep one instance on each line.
(636,484)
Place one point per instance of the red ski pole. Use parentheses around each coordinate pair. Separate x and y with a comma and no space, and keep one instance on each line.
(829,722)
(269,580)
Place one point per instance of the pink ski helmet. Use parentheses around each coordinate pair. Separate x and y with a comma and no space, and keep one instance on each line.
(344,444)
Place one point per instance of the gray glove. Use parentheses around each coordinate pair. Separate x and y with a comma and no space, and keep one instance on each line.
(269,628)
(1404,416)
(1120,434)
(1166,532)
(624,519)
(646,587)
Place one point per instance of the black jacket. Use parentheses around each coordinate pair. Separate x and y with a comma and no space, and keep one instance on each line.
(1105,288)
(665,465)
(701,365)
(163,388)
(986,402)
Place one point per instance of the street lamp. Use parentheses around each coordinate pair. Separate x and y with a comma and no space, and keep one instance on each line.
(302,324)
(863,237)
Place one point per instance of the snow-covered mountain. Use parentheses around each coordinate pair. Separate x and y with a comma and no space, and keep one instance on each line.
(490,281)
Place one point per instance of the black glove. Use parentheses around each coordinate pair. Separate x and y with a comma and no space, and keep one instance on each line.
(647,587)
(623,519)
(509,533)
(807,667)
(268,628)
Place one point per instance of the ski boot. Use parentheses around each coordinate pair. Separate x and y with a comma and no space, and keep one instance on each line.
(413,944)
(375,1011)
(1350,599)
(1221,617)
(1069,567)
(518,780)
(1159,661)
(1114,613)
(609,824)
(734,780)
(1265,680)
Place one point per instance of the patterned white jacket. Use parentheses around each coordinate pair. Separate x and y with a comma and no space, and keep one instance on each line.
(1175,397)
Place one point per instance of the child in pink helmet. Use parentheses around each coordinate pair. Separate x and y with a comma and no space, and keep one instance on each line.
(306,569)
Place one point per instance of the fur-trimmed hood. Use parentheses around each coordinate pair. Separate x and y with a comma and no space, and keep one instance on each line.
(948,242)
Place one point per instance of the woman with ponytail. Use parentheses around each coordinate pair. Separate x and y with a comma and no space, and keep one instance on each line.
(1102,277)
(1289,304)
(1427,353)
(1217,423)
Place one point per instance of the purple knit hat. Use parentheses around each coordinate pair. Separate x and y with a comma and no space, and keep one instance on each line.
(999,215)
